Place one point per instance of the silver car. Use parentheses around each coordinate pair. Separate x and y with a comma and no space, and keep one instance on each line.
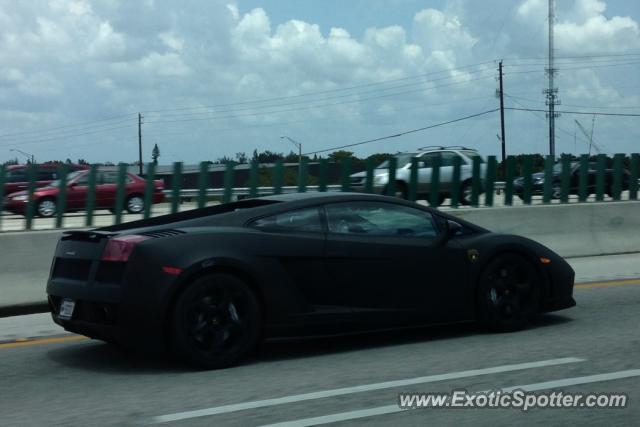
(425,158)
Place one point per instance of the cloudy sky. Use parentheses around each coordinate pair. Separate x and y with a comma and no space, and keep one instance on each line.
(216,77)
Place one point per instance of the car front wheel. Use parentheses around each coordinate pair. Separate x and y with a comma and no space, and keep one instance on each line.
(46,208)
(508,293)
(135,204)
(216,321)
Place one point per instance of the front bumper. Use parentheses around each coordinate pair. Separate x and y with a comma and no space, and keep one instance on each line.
(561,278)
(15,206)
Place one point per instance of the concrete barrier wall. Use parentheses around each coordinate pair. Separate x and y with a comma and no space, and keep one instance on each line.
(25,259)
(570,230)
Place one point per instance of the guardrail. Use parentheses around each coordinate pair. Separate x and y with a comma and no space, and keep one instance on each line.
(574,179)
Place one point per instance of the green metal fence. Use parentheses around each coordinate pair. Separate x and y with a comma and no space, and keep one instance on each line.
(570,180)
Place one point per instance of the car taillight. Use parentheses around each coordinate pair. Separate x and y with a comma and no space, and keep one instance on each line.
(120,248)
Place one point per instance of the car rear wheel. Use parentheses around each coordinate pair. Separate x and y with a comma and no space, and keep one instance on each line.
(439,200)
(508,293)
(135,204)
(46,207)
(401,190)
(465,193)
(216,322)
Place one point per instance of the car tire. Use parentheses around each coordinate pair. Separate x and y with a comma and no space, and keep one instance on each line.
(608,190)
(556,191)
(402,191)
(508,293)
(439,201)
(215,322)
(46,207)
(135,204)
(465,192)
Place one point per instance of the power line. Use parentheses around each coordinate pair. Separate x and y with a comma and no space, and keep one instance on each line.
(281,123)
(448,70)
(402,133)
(597,113)
(538,101)
(234,116)
(87,125)
(576,68)
(355,94)
(539,58)
(541,118)
(28,142)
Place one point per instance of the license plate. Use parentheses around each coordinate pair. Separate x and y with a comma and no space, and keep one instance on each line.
(66,309)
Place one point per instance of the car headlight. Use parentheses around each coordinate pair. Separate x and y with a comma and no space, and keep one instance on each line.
(539,180)
(381,179)
(20,198)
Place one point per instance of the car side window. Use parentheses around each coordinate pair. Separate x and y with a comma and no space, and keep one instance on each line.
(17,176)
(47,175)
(301,220)
(379,219)
(109,178)
(447,158)
(83,180)
(427,159)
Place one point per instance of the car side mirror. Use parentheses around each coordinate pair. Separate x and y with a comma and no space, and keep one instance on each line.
(451,229)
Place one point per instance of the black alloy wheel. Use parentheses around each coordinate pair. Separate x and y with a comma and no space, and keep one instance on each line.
(216,322)
(508,293)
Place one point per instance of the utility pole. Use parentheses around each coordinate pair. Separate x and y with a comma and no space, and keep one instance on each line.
(552,91)
(140,142)
(502,137)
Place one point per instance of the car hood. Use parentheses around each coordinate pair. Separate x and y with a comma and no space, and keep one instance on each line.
(18,193)
(40,190)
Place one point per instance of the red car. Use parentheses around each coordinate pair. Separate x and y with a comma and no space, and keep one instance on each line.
(45,198)
(17,178)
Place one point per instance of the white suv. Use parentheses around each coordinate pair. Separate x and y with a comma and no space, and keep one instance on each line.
(425,158)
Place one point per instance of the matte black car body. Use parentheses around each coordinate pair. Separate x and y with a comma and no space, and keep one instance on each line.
(306,283)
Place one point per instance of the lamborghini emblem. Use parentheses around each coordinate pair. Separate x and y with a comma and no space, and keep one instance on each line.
(473,255)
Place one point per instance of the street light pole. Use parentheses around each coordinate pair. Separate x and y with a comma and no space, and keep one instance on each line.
(299,145)
(29,156)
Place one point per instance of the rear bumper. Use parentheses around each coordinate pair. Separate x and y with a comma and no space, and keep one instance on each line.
(124,308)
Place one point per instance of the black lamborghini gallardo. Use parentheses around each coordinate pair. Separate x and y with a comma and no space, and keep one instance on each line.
(209,284)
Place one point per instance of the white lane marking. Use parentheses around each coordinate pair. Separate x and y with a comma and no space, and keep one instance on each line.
(391,409)
(359,389)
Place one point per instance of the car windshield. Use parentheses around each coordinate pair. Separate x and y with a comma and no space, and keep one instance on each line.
(70,177)
(472,154)
(402,160)
(557,168)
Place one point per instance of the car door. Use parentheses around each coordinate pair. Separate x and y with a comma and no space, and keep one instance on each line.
(388,257)
(77,190)
(106,189)
(446,170)
(425,172)
(294,241)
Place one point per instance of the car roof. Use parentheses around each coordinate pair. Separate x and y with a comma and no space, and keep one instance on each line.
(424,150)
(320,196)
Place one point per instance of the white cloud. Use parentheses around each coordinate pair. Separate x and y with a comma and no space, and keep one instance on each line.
(88,60)
(436,31)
